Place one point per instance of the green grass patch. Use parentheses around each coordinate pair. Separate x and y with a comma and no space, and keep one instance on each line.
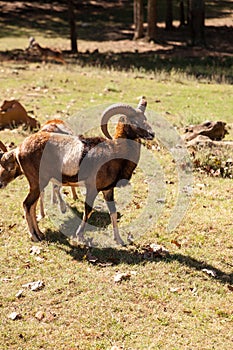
(182,300)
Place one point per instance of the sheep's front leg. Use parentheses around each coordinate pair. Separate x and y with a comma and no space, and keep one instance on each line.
(29,205)
(57,197)
(90,197)
(42,212)
(53,194)
(109,198)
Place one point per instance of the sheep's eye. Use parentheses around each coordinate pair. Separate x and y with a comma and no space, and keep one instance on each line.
(135,123)
(139,122)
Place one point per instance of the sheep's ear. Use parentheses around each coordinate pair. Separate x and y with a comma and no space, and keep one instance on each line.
(8,160)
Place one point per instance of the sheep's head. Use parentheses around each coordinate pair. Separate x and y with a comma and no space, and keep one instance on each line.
(8,166)
(134,120)
(31,42)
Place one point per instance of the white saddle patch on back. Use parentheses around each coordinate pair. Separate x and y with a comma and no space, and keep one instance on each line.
(70,150)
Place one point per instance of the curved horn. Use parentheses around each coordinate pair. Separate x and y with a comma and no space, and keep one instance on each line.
(118,108)
(3,147)
(142,104)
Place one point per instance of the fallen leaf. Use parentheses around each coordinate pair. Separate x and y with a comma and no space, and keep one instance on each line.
(119,277)
(91,258)
(34,286)
(174,241)
(39,259)
(15,316)
(27,264)
(19,294)
(39,315)
(154,250)
(188,312)
(105,264)
(175,289)
(210,272)
(49,316)
(200,185)
(230,287)
(158,249)
(6,279)
(133,273)
(11,226)
(193,290)
(35,250)
(160,200)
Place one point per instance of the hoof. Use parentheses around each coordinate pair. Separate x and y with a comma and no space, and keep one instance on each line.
(63,208)
(119,241)
(37,237)
(81,240)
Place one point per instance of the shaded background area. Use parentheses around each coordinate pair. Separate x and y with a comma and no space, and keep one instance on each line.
(105,33)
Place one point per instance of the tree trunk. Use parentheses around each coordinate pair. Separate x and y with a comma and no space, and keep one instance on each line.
(182,15)
(197,21)
(138,19)
(169,15)
(73,33)
(188,11)
(151,20)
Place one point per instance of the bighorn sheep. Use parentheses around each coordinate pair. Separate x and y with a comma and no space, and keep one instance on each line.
(12,113)
(46,53)
(56,126)
(101,164)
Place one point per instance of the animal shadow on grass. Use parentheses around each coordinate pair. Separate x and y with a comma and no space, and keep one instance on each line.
(132,255)
(69,224)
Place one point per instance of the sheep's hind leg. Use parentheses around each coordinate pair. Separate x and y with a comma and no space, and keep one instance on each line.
(29,205)
(42,212)
(90,197)
(109,198)
(57,197)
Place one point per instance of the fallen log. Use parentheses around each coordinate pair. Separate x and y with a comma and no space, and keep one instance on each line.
(204,141)
(13,114)
(215,131)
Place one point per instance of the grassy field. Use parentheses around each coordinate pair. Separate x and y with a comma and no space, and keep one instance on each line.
(169,302)
(176,300)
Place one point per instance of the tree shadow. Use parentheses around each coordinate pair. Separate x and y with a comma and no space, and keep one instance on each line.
(51,19)
(195,62)
(99,21)
(132,255)
(105,21)
(186,60)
